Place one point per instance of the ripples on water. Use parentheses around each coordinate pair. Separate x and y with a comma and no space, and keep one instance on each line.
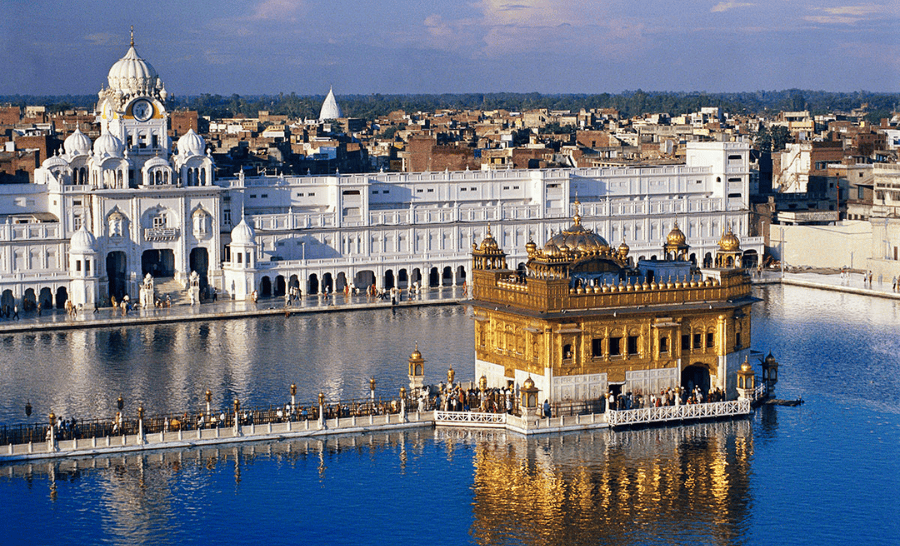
(823,473)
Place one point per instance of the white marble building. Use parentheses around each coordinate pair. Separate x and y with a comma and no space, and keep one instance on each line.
(101,215)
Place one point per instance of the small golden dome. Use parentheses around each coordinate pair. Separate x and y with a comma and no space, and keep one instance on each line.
(729,241)
(623,249)
(745,367)
(489,243)
(528,384)
(416,354)
(530,247)
(676,236)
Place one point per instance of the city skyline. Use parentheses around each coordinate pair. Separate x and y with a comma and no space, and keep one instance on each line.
(303,46)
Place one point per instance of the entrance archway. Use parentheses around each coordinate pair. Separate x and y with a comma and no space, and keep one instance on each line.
(46,298)
(199,262)
(364,279)
(159,262)
(29,301)
(62,295)
(313,284)
(116,267)
(388,279)
(695,375)
(460,275)
(434,278)
(447,277)
(7,300)
(327,283)
(340,282)
(280,286)
(265,288)
(750,259)
(402,279)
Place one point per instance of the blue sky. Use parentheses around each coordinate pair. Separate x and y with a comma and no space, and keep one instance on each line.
(422,46)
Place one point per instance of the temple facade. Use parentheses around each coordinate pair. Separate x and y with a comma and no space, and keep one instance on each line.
(583,319)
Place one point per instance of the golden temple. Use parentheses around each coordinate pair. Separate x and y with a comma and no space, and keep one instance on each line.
(582,320)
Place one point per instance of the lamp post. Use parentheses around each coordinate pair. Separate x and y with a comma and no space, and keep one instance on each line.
(141,423)
(51,434)
(208,400)
(293,396)
(372,389)
(321,409)
(27,409)
(237,418)
(403,403)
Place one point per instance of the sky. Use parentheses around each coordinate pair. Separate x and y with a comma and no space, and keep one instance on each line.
(49,47)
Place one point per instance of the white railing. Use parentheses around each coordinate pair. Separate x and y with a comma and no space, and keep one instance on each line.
(677,413)
(468,417)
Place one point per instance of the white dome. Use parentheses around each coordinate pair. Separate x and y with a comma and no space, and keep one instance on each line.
(191,144)
(156,162)
(133,75)
(77,143)
(330,108)
(108,145)
(83,241)
(243,234)
(54,161)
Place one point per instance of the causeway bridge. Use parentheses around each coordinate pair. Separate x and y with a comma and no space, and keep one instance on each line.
(51,442)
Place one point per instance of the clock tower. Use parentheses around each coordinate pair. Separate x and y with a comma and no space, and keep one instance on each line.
(133,110)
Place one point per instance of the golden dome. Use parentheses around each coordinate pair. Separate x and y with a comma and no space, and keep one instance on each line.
(489,243)
(676,236)
(528,384)
(729,241)
(416,355)
(530,247)
(623,249)
(745,367)
(576,239)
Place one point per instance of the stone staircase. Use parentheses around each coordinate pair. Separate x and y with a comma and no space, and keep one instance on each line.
(168,286)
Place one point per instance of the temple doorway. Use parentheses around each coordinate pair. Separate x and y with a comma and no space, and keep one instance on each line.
(116,272)
(158,263)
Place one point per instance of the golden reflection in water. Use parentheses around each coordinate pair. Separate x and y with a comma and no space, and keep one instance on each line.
(621,486)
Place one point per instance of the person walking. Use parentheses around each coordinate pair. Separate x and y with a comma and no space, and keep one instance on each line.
(547,411)
(16,312)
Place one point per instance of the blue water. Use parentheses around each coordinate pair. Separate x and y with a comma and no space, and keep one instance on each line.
(821,473)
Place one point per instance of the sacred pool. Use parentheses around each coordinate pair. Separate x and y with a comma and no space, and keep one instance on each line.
(821,473)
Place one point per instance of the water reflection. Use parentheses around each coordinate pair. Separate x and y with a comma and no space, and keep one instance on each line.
(615,488)
(168,367)
(601,487)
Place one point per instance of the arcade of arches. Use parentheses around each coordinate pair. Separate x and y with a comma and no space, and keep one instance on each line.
(327,282)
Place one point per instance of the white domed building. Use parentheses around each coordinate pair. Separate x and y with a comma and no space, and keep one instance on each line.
(147,208)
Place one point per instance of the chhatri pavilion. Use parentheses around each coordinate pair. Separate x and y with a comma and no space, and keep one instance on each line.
(580,319)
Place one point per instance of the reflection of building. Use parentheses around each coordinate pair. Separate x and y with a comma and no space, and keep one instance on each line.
(621,487)
(581,319)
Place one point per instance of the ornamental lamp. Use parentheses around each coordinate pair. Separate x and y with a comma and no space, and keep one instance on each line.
(141,412)
(52,419)
(120,403)
(208,396)
(27,409)
(321,398)
(482,383)
(293,389)
(529,394)
(402,393)
(237,406)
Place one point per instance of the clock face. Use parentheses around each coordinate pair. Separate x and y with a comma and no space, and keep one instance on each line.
(142,110)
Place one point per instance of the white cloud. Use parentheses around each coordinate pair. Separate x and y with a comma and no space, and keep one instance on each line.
(278,10)
(725,6)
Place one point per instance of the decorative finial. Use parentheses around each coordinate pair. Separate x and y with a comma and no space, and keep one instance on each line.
(132,35)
